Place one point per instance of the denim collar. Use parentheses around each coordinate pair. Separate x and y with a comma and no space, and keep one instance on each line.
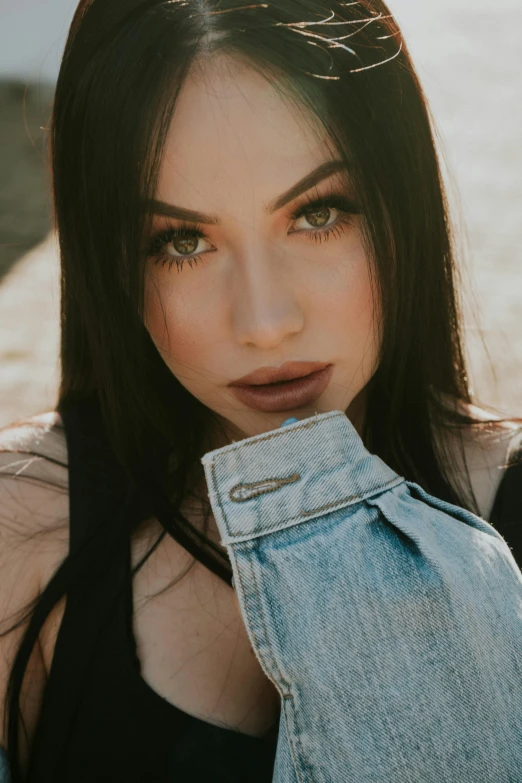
(281,478)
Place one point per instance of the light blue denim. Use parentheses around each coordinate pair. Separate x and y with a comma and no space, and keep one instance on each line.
(389,621)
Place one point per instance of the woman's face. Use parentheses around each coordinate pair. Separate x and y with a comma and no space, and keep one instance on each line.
(262,283)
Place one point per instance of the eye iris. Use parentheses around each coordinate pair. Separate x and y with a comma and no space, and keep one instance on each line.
(319,217)
(185,245)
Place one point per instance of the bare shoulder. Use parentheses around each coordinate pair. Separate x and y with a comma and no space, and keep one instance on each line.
(34,533)
(488,451)
(498,437)
(34,500)
(41,435)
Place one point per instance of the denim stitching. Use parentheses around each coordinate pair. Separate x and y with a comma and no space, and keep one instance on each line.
(303,514)
(289,699)
(275,434)
(217,495)
(277,483)
(344,500)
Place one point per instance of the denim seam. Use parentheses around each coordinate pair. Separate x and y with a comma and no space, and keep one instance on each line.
(288,697)
(375,491)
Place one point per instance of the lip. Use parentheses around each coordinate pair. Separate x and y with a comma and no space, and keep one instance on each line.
(289,396)
(288,371)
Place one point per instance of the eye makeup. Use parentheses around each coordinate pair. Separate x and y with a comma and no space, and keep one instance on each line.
(193,232)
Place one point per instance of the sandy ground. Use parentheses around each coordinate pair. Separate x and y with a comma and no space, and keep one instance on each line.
(470,63)
(29,303)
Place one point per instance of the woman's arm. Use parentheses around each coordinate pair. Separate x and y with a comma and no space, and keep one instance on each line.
(389,621)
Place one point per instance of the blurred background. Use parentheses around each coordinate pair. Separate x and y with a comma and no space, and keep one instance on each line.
(469,59)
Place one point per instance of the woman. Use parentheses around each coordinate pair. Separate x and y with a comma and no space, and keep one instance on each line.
(239,191)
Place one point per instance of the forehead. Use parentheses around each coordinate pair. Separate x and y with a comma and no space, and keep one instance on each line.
(232,130)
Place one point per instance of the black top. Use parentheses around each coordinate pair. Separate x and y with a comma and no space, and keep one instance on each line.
(100,720)
(506,514)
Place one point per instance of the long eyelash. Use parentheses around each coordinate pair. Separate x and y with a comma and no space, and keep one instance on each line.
(158,242)
(333,199)
(346,207)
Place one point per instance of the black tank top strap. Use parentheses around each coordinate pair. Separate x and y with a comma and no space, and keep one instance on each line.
(506,515)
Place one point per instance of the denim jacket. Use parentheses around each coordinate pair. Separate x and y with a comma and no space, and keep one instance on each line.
(389,621)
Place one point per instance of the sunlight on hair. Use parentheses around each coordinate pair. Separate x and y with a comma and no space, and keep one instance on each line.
(298,27)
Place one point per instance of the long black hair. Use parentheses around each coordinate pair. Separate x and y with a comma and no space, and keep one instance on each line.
(346,64)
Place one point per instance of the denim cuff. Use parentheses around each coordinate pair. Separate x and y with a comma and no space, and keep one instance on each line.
(281,478)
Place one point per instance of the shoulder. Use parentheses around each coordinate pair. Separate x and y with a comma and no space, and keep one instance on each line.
(34,500)
(43,435)
(489,452)
(34,534)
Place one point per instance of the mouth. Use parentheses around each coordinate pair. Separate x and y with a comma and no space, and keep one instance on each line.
(289,371)
(281,383)
(284,395)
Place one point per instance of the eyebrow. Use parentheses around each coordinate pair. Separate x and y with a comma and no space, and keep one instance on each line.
(319,174)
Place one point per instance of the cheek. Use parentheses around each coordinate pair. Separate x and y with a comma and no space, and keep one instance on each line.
(175,323)
(353,313)
(345,295)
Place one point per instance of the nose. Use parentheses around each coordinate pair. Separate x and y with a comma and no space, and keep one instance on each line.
(267,310)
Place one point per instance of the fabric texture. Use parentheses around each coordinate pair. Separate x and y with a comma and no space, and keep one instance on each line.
(408,669)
